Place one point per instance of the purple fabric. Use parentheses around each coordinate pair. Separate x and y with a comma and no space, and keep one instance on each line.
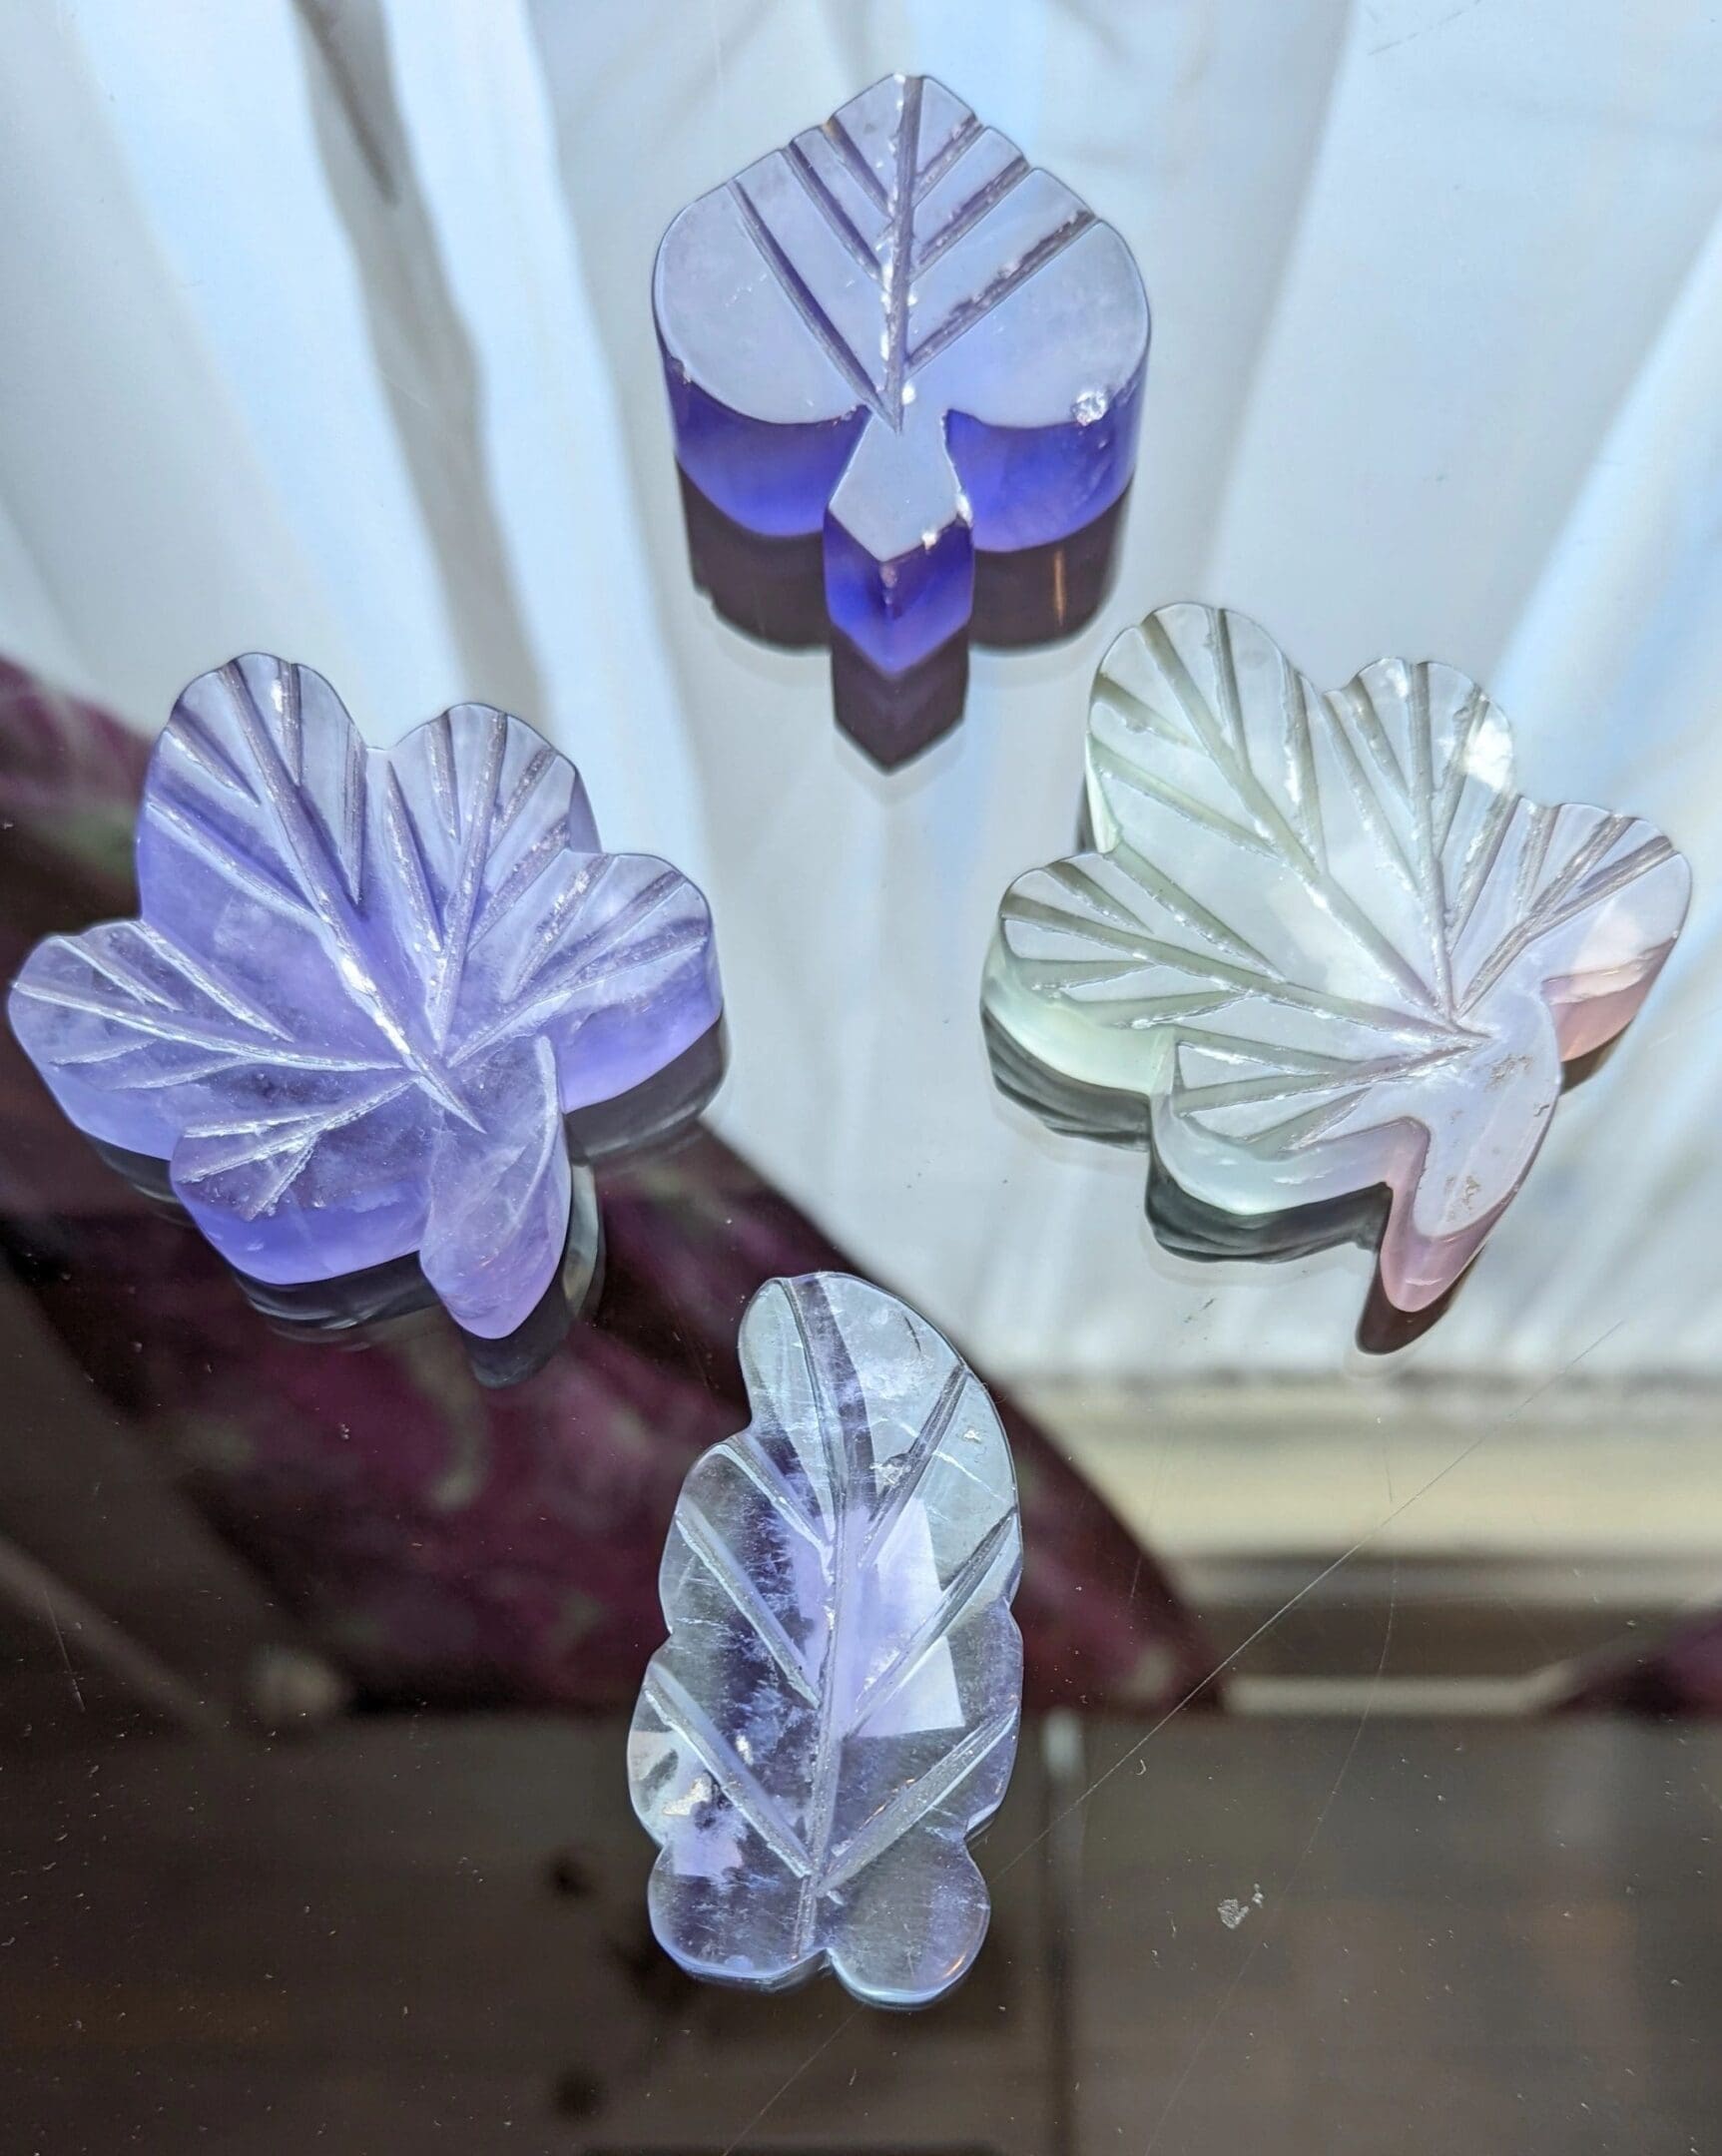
(1679,1674)
(442,1541)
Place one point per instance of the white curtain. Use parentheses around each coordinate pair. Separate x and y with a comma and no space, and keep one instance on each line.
(329,332)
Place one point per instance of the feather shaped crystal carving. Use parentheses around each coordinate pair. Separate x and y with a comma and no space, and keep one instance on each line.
(900,334)
(363,987)
(836,1709)
(1325,939)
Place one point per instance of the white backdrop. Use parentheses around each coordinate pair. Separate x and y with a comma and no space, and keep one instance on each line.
(328,330)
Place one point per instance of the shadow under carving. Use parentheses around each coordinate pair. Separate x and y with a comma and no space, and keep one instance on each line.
(382,1302)
(773,590)
(1189,1227)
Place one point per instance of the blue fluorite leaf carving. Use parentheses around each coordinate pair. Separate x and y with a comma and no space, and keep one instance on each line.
(898,331)
(363,987)
(836,1709)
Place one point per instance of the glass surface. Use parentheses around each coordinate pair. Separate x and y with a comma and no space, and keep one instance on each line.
(1366,1788)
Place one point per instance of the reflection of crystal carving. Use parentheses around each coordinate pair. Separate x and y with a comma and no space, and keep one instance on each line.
(897,340)
(836,1707)
(1325,939)
(365,987)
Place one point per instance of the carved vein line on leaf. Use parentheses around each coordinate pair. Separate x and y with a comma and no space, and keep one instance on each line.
(193,738)
(1480,862)
(751,1459)
(1533,854)
(956,145)
(1100,923)
(992,295)
(1139,780)
(913,1462)
(912,1803)
(816,1326)
(959,1593)
(835,132)
(153,1016)
(292,715)
(317,860)
(154,1024)
(586,877)
(1303,788)
(1261,980)
(1422,783)
(882,392)
(290,1125)
(725,1568)
(1172,899)
(1562,902)
(833,211)
(200,836)
(593,958)
(1366,795)
(679,1711)
(1466,726)
(98,953)
(1292,1072)
(805,300)
(462,906)
(898,267)
(537,766)
(1359,700)
(406,850)
(1133,941)
(1253,797)
(827,1424)
(548,848)
(296,1141)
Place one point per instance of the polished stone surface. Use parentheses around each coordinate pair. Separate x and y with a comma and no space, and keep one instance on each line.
(365,987)
(836,1707)
(899,335)
(1326,939)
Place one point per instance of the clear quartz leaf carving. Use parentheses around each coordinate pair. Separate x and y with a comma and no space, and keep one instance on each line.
(1326,939)
(836,1709)
(899,332)
(363,987)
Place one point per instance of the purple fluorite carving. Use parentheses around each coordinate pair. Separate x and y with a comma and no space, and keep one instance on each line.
(899,332)
(836,1707)
(365,985)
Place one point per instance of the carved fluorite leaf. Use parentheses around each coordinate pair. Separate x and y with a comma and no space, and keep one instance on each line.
(1325,937)
(900,331)
(836,1709)
(363,987)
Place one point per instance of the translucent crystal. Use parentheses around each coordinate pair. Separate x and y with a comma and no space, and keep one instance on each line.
(899,332)
(836,1709)
(1326,939)
(363,987)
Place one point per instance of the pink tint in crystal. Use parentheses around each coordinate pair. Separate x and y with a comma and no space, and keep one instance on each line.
(1322,939)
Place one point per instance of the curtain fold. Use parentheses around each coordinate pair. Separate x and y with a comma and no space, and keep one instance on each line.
(329,332)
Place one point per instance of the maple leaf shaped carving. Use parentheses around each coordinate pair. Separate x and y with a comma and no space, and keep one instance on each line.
(1326,939)
(363,987)
(836,1707)
(898,331)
